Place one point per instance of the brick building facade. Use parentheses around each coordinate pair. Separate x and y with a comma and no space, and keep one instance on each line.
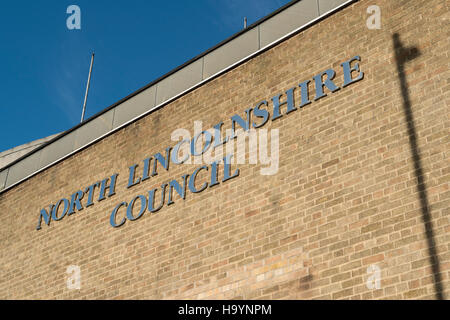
(362,184)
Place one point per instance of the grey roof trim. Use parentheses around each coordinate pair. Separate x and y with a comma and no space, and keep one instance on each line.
(5,174)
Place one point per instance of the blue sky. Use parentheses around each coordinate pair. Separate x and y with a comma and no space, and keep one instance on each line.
(44,65)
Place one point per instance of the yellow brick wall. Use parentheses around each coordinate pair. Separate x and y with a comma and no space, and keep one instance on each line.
(345,196)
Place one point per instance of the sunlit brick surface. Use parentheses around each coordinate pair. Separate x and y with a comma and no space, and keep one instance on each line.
(345,196)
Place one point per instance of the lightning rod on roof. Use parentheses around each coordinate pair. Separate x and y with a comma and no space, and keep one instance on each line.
(87,87)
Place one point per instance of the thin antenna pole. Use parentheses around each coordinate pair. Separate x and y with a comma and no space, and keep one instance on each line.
(245,22)
(87,87)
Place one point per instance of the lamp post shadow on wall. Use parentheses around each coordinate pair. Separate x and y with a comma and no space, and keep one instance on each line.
(402,56)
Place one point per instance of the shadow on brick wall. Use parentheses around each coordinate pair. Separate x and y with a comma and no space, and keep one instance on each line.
(402,56)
